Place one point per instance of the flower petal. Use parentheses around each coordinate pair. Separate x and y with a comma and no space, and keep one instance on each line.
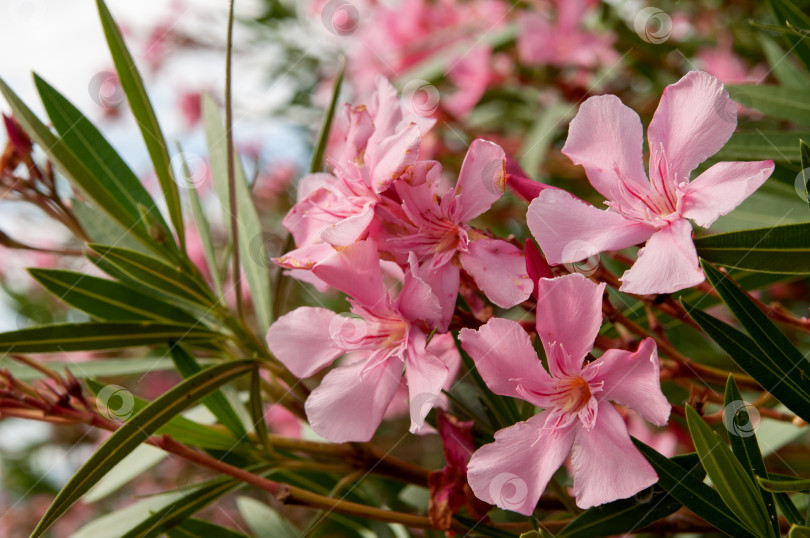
(350,229)
(607,466)
(416,299)
(569,315)
(694,119)
(721,188)
(355,271)
(388,158)
(504,356)
(499,270)
(513,472)
(426,376)
(667,263)
(606,138)
(302,340)
(631,379)
(482,179)
(351,400)
(569,229)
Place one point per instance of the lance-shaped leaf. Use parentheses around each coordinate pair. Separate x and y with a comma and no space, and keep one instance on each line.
(137,430)
(154,273)
(762,145)
(743,440)
(198,528)
(778,102)
(217,403)
(106,299)
(736,488)
(694,494)
(804,150)
(107,167)
(250,229)
(778,249)
(132,83)
(96,336)
(787,13)
(784,484)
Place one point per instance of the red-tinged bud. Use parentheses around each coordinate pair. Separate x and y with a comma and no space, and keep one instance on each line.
(518,180)
(17,138)
(536,265)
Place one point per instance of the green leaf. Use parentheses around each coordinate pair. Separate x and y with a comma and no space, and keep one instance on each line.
(154,273)
(204,230)
(107,167)
(137,462)
(777,102)
(108,300)
(804,150)
(778,249)
(735,487)
(137,430)
(799,531)
(762,145)
(100,335)
(316,163)
(216,402)
(788,509)
(744,445)
(132,83)
(263,520)
(786,12)
(117,522)
(782,369)
(783,68)
(101,368)
(257,410)
(197,528)
(781,484)
(250,228)
(183,429)
(693,493)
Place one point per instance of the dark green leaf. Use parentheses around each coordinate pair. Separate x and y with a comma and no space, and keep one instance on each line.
(783,68)
(103,368)
(137,430)
(762,145)
(799,531)
(100,335)
(784,484)
(736,488)
(744,445)
(316,163)
(693,493)
(804,150)
(778,249)
(216,402)
(786,12)
(197,528)
(778,102)
(144,114)
(108,300)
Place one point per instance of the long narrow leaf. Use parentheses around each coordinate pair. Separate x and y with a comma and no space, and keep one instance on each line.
(137,430)
(778,249)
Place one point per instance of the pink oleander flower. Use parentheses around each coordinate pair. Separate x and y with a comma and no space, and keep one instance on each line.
(437,233)
(722,62)
(335,210)
(695,118)
(387,335)
(575,396)
(562,43)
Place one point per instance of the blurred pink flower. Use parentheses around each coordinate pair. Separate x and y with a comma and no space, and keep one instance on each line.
(578,416)
(694,120)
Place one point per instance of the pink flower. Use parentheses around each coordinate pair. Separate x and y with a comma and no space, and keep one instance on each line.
(578,417)
(442,241)
(381,143)
(386,335)
(562,43)
(695,118)
(723,63)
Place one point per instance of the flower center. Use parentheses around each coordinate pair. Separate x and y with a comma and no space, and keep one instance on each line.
(574,394)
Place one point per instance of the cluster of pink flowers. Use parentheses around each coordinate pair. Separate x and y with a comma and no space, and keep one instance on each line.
(389,230)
